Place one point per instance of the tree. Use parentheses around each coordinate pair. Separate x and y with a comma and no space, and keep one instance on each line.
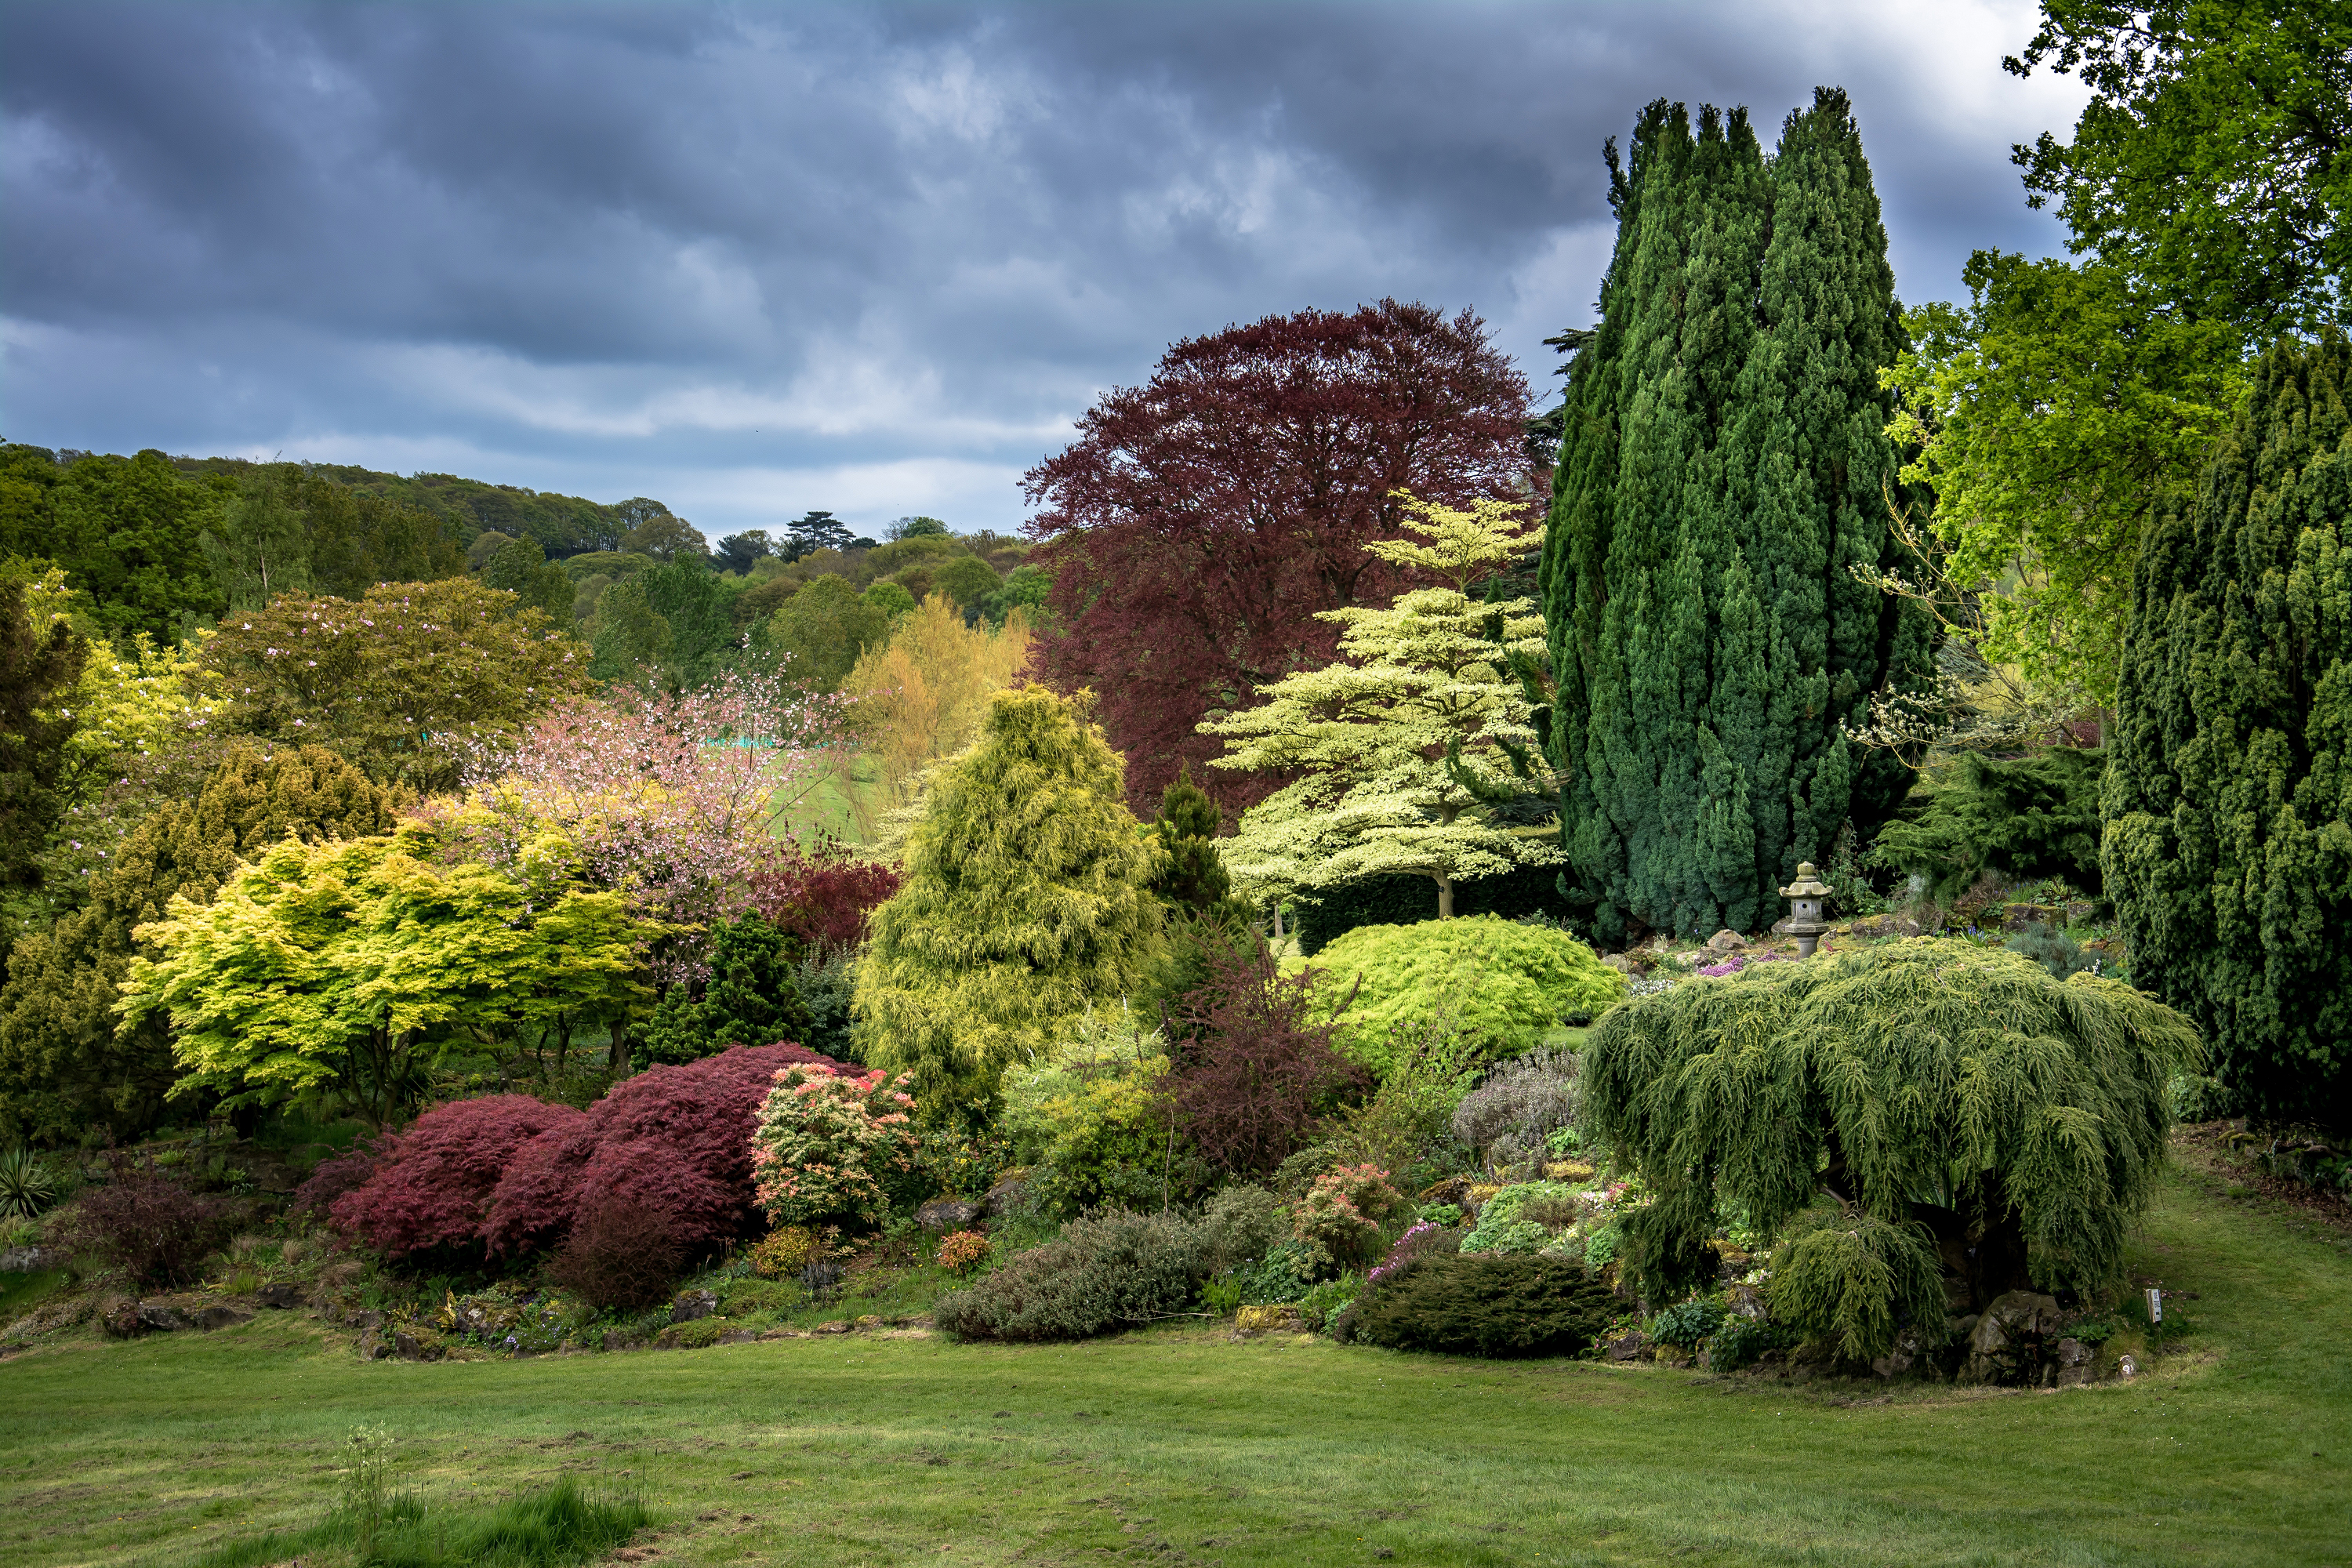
(293,527)
(628,639)
(739,553)
(2227,818)
(922,696)
(128,531)
(2213,162)
(816,531)
(966,579)
(1718,520)
(2026,817)
(332,973)
(747,998)
(1199,523)
(1024,902)
(521,568)
(665,538)
(1969,1115)
(1192,876)
(1400,753)
(403,682)
(820,631)
(915,528)
(65,1067)
(693,607)
(40,660)
(1256,1070)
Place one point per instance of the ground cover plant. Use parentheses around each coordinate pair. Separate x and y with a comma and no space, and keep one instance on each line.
(862,1449)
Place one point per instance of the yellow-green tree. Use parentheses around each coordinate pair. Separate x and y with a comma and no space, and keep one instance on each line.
(1025,899)
(333,972)
(1400,753)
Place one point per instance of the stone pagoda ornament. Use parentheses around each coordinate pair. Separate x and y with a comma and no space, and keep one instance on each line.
(1805,895)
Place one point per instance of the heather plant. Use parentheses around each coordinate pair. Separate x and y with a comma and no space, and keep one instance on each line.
(1111,1271)
(1510,1118)
(825,1143)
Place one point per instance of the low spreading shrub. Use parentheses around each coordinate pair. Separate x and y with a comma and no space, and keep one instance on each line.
(1688,1324)
(1484,1306)
(1341,1215)
(1238,1223)
(1512,1116)
(621,1254)
(1111,1271)
(1523,1219)
(2053,949)
(148,1225)
(784,1251)
(675,1138)
(745,1298)
(1326,1300)
(825,1143)
(1499,983)
(430,1186)
(962,1251)
(1741,1342)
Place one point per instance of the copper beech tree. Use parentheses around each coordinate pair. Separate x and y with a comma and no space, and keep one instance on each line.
(1199,522)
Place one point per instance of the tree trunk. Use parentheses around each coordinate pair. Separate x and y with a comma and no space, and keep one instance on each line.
(1445,898)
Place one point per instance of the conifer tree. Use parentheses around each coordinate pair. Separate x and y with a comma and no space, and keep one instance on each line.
(1025,899)
(1401,750)
(2228,801)
(1720,479)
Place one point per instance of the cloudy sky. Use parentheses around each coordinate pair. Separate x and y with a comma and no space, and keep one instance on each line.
(755,259)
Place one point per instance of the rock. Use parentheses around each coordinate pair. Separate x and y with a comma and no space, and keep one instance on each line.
(947,1213)
(159,1316)
(1630,1345)
(2075,1363)
(1725,940)
(2128,1366)
(119,1318)
(1004,1197)
(372,1348)
(281,1296)
(1901,1358)
(2018,917)
(411,1348)
(1746,1302)
(838,1326)
(1273,1318)
(738,1337)
(2006,1345)
(1626,963)
(868,1324)
(222,1316)
(693,1304)
(25,1261)
(367,1322)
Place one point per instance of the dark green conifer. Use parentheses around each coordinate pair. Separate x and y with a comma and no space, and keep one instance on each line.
(2228,800)
(1719,482)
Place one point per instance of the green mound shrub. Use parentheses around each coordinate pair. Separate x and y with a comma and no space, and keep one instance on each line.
(1499,983)
(1845,1278)
(1523,1219)
(1999,1124)
(2028,816)
(750,998)
(1111,1271)
(1481,1306)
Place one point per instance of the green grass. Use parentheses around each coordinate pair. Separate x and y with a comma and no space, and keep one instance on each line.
(552,1526)
(865,1450)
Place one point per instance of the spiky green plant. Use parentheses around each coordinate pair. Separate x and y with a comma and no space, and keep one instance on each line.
(27,1184)
(1974,1105)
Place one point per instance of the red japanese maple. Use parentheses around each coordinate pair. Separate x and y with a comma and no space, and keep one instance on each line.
(1199,522)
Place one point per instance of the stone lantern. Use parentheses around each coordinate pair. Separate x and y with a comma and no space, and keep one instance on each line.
(1805,894)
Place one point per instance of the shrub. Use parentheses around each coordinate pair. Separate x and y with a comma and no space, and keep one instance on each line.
(1851,1280)
(1688,1324)
(621,1255)
(1523,1219)
(784,1251)
(329,1178)
(431,1186)
(1742,1341)
(1239,1224)
(1511,1116)
(2036,816)
(2053,949)
(27,1185)
(1257,1071)
(748,998)
(2035,1107)
(1342,1215)
(1091,1120)
(821,901)
(2194,1096)
(1407,1125)
(824,1141)
(1285,1273)
(1111,1271)
(148,1225)
(1500,984)
(677,1138)
(1485,1306)
(962,1251)
(1325,1301)
(745,1298)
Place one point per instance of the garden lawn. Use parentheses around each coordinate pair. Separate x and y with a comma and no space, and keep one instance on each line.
(877,1450)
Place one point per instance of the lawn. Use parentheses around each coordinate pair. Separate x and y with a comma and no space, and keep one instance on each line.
(883,1450)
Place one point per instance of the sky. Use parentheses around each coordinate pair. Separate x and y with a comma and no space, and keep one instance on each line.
(752,259)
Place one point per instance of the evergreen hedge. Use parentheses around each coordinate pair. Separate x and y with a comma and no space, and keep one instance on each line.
(2228,803)
(1487,1305)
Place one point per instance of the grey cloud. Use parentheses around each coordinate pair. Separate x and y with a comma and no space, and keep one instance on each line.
(750,252)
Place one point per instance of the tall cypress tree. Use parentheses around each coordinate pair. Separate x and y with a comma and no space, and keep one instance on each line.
(2228,801)
(1719,482)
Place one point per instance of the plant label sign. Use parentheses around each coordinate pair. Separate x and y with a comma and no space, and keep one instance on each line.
(2156,1305)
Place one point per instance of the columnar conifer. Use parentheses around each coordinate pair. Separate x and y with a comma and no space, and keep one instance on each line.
(1720,481)
(2228,801)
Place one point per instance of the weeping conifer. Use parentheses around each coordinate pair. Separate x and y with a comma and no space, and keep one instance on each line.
(1719,482)
(2228,800)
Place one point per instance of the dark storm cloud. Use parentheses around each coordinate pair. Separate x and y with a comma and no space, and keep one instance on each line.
(753,259)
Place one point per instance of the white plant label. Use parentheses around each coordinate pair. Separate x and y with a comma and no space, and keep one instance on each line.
(2156,1305)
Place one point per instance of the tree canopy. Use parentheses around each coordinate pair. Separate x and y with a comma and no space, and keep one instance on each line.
(1199,521)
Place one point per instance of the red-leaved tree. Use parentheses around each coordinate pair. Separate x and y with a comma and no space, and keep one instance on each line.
(822,899)
(431,1184)
(1199,522)
(674,1139)
(1256,1073)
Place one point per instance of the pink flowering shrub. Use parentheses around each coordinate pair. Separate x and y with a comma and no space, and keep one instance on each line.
(824,1142)
(431,1186)
(672,1138)
(1342,1215)
(960,1251)
(1739,961)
